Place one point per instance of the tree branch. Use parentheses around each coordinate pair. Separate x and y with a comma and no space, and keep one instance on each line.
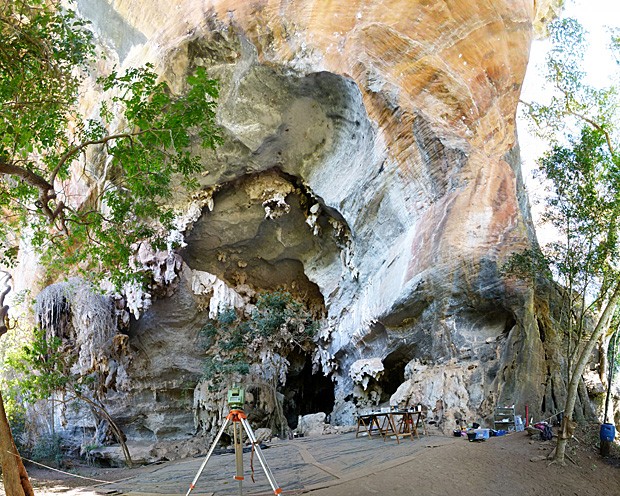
(76,149)
(47,192)
(596,126)
(4,309)
(29,176)
(28,103)
(584,118)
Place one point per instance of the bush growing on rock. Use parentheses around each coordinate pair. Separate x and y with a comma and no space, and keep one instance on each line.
(253,349)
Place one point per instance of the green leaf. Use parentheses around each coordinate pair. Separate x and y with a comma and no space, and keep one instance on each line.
(47,53)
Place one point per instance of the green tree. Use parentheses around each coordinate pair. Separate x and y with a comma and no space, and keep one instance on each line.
(44,370)
(582,174)
(14,475)
(142,134)
(129,153)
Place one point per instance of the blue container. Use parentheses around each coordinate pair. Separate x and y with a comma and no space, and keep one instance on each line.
(482,433)
(608,432)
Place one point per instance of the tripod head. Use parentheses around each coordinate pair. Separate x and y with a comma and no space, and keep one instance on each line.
(236,397)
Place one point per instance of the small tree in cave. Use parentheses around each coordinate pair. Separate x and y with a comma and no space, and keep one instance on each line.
(254,349)
(127,152)
(582,173)
(45,369)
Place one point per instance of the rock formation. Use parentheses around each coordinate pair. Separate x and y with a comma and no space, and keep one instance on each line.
(371,168)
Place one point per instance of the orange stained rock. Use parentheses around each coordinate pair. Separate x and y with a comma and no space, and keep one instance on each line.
(456,64)
(451,60)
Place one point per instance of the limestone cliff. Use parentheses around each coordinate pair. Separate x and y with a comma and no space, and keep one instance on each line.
(370,167)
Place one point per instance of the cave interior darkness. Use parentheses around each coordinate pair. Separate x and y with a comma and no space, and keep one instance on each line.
(305,392)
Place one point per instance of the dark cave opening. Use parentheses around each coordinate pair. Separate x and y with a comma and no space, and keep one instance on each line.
(510,323)
(394,371)
(305,392)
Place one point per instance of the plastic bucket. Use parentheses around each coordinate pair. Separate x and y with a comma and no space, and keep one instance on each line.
(608,432)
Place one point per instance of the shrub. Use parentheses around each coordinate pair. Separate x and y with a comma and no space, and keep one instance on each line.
(48,449)
(233,343)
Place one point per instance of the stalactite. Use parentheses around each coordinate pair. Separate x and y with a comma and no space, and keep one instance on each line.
(86,321)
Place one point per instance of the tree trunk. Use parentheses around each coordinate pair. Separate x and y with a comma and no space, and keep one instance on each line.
(568,426)
(118,433)
(14,475)
(606,445)
(610,373)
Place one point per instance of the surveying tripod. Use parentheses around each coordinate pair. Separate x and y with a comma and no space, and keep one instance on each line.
(239,419)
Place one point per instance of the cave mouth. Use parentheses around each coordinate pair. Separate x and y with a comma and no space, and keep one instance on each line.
(265,233)
(304,392)
(394,372)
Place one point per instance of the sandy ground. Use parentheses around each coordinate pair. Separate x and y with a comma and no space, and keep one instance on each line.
(340,465)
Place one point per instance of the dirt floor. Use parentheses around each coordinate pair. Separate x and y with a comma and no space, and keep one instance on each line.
(339,465)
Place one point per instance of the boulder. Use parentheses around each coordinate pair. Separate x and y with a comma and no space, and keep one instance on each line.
(312,424)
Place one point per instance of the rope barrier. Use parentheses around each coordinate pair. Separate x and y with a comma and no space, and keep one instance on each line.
(67,473)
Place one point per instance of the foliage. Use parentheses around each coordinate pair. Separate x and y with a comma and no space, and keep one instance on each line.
(574,103)
(15,411)
(581,171)
(530,263)
(43,369)
(16,415)
(46,366)
(48,449)
(233,344)
(132,149)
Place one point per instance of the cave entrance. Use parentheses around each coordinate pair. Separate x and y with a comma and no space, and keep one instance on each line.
(305,392)
(394,372)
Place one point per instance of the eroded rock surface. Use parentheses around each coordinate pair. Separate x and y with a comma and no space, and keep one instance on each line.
(370,167)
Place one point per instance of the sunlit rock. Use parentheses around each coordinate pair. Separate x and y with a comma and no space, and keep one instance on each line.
(370,167)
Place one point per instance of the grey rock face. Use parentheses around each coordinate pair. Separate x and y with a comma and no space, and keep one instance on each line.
(371,172)
(167,362)
(305,199)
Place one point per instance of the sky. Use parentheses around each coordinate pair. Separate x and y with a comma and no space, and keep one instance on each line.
(595,16)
